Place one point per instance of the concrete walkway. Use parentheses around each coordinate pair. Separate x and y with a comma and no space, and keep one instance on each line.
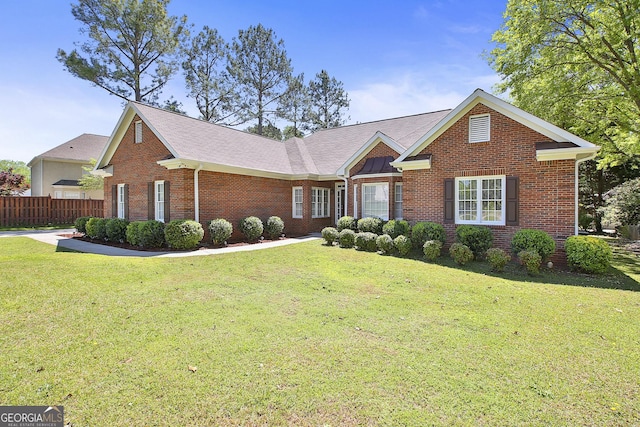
(56,238)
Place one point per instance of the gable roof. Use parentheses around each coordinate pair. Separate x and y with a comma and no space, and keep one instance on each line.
(79,149)
(580,147)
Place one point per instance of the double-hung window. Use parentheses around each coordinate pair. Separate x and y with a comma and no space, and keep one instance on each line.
(297,204)
(480,200)
(159,197)
(121,200)
(319,202)
(375,200)
(398,201)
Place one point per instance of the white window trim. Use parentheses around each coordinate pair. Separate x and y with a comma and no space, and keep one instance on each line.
(293,202)
(337,204)
(121,201)
(158,211)
(395,199)
(484,137)
(321,204)
(479,221)
(138,131)
(375,184)
(355,200)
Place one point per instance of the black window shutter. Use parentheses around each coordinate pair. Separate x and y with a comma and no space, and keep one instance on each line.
(167,202)
(151,213)
(126,201)
(114,201)
(449,200)
(513,215)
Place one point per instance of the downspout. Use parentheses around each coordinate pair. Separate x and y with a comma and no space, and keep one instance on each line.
(577,189)
(196,193)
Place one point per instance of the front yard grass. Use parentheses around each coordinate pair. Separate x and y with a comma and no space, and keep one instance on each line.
(312,335)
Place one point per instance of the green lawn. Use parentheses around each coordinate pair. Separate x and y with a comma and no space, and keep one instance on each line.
(312,335)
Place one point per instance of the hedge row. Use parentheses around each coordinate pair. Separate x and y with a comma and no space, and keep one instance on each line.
(532,247)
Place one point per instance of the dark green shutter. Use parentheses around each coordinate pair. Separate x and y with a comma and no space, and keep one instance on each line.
(114,201)
(513,215)
(167,203)
(151,192)
(449,200)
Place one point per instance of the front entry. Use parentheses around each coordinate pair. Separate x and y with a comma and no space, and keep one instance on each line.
(340,201)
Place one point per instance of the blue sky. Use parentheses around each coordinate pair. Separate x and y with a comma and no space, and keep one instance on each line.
(395,58)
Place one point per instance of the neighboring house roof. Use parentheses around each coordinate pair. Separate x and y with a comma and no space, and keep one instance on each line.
(79,149)
(67,183)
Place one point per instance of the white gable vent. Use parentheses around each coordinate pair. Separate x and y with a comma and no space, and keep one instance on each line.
(479,128)
(138,131)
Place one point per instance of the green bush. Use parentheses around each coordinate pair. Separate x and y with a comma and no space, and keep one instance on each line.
(346,238)
(220,230)
(536,240)
(251,227)
(274,227)
(116,229)
(396,227)
(366,241)
(531,261)
(370,225)
(498,259)
(183,234)
(97,228)
(585,220)
(151,234)
(81,223)
(424,231)
(461,253)
(478,238)
(588,254)
(385,244)
(403,245)
(330,235)
(347,222)
(133,232)
(431,249)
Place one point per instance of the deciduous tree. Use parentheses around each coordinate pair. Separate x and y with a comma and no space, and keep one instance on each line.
(11,183)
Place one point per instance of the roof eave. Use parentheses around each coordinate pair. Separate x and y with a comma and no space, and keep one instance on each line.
(566,153)
(412,165)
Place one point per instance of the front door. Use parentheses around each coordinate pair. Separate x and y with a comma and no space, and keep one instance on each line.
(340,201)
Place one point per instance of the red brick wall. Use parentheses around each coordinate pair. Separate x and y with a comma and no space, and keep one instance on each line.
(546,189)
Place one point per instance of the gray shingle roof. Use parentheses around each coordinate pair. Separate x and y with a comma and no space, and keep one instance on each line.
(82,148)
(320,153)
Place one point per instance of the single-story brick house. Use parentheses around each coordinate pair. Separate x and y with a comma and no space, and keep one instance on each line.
(485,162)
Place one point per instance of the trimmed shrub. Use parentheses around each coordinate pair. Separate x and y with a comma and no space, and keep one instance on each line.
(461,253)
(588,254)
(116,229)
(385,244)
(183,234)
(403,245)
(251,227)
(330,235)
(585,220)
(220,230)
(96,228)
(81,223)
(424,231)
(531,261)
(346,238)
(370,225)
(133,233)
(274,227)
(396,227)
(498,259)
(347,222)
(151,234)
(478,238)
(366,241)
(536,240)
(431,249)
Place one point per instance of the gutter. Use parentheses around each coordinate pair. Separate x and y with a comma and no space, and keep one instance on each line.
(196,193)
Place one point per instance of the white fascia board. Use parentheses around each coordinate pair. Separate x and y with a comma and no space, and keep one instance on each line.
(412,165)
(565,153)
(377,175)
(366,147)
(479,96)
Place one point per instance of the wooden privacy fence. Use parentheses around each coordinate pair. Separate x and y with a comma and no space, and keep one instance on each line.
(21,211)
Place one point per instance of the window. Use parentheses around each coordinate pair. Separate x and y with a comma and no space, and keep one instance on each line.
(319,202)
(159,196)
(479,128)
(375,201)
(138,131)
(121,201)
(297,201)
(57,194)
(397,214)
(71,194)
(480,200)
